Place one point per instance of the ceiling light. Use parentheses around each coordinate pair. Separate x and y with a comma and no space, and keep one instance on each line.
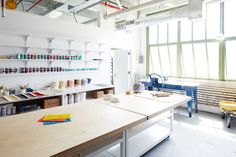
(169,4)
(54,14)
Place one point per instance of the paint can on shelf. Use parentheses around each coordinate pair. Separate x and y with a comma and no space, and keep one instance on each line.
(13,110)
(65,100)
(83,96)
(8,110)
(4,111)
(62,85)
(77,82)
(76,97)
(70,83)
(70,98)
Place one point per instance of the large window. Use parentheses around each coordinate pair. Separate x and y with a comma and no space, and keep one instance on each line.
(153,34)
(230,59)
(162,33)
(199,30)
(230,23)
(186,30)
(213,20)
(172,27)
(197,49)
(201,60)
(155,66)
(188,65)
(213,59)
(165,60)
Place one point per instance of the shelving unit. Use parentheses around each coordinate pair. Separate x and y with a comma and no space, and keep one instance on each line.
(49,46)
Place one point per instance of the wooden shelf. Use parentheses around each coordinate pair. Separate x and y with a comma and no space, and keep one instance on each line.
(48,48)
(50,60)
(142,142)
(42,60)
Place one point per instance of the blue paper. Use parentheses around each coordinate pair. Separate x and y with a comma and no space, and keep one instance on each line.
(49,123)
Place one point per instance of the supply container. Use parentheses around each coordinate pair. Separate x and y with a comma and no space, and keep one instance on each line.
(76,97)
(70,98)
(83,96)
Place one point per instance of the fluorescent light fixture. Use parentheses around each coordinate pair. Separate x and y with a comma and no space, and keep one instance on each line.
(169,4)
(54,14)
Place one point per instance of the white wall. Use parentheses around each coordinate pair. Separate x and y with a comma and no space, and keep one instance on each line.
(23,23)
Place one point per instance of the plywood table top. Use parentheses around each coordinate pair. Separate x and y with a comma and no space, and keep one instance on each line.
(22,136)
(146,106)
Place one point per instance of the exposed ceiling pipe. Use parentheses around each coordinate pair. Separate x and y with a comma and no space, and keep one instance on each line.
(119,4)
(111,6)
(138,7)
(34,5)
(86,5)
(124,7)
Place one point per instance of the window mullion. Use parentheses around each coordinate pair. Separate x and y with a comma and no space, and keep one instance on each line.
(168,28)
(179,52)
(195,72)
(159,57)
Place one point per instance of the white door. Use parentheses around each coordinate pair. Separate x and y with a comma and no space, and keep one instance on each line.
(121,71)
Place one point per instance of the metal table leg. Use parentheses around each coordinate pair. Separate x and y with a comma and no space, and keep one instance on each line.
(171,119)
(124,145)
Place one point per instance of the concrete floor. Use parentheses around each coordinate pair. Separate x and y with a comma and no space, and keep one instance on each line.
(203,135)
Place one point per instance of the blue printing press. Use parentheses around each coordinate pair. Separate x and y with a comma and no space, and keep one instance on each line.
(190,90)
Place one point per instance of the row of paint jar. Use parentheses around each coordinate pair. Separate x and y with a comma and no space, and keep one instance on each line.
(15,70)
(7,110)
(48,56)
(40,69)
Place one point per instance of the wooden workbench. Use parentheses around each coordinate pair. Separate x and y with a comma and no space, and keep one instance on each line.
(91,123)
(144,136)
(145,105)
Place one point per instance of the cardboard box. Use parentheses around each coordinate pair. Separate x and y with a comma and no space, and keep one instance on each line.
(52,102)
(98,94)
(108,91)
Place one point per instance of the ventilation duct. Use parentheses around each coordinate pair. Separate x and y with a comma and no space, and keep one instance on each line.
(191,11)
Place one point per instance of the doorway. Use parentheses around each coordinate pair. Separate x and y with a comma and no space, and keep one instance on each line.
(121,70)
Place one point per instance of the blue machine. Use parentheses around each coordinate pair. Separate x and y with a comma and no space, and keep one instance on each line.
(156,81)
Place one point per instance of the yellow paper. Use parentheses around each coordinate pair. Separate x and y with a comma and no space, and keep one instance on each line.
(56,116)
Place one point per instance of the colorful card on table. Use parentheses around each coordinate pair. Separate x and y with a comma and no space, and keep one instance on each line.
(56,116)
(55,120)
(50,122)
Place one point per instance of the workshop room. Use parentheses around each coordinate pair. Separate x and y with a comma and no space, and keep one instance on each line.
(117,78)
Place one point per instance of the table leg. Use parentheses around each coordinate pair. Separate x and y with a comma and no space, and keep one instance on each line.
(124,145)
(171,119)
(189,92)
(190,108)
(195,98)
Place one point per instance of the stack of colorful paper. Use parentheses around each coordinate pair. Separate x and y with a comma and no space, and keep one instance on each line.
(55,119)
